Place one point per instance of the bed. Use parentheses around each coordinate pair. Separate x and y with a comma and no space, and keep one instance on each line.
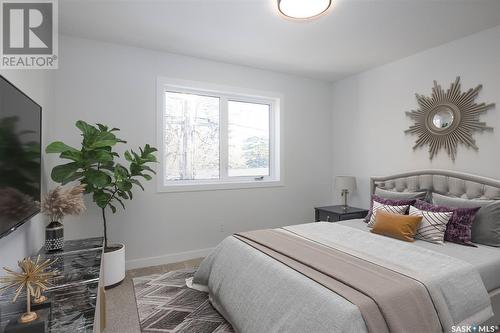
(339,277)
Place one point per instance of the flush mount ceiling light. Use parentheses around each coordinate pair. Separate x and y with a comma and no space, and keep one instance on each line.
(303,9)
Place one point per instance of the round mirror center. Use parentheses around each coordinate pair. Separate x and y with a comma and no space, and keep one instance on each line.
(443,118)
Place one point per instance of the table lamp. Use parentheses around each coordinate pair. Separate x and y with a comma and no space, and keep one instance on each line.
(345,184)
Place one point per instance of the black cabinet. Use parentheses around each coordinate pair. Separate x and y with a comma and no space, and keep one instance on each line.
(338,213)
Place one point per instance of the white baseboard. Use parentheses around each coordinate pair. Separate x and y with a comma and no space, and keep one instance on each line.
(167,258)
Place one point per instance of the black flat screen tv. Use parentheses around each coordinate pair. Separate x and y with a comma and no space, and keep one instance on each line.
(20,157)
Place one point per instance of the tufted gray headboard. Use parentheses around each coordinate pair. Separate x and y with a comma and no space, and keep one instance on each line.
(449,183)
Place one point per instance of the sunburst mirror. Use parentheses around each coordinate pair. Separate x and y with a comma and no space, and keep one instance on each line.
(446,119)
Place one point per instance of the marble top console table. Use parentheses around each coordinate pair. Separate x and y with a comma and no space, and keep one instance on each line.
(77,301)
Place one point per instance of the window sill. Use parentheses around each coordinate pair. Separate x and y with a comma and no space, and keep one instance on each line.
(218,186)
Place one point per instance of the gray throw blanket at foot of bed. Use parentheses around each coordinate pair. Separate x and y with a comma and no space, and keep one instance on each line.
(315,278)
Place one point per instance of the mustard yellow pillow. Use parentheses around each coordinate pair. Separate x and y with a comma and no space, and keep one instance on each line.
(403,227)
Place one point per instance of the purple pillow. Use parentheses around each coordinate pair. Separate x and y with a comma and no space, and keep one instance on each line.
(458,230)
(390,202)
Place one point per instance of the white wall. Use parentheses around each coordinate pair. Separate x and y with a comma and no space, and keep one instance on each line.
(362,136)
(369,112)
(113,84)
(29,238)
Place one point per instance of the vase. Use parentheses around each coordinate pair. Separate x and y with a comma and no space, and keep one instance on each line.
(54,236)
(114,265)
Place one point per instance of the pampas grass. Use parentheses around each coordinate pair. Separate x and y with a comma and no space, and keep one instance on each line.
(61,202)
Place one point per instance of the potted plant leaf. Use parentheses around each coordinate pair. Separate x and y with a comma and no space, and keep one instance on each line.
(109,182)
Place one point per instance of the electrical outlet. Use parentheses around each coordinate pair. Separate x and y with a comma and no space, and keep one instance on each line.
(221,227)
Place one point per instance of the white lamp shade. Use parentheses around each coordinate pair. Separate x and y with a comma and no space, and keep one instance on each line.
(345,183)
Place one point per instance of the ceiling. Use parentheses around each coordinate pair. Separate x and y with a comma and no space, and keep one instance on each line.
(354,35)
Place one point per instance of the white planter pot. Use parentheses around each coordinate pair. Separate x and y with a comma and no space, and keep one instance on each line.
(114,265)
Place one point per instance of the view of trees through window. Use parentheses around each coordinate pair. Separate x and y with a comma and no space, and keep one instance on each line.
(192,137)
(248,132)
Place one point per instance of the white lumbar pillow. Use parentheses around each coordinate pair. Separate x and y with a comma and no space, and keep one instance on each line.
(433,225)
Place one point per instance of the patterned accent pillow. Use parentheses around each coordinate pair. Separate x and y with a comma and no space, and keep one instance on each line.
(458,230)
(433,225)
(390,202)
(378,207)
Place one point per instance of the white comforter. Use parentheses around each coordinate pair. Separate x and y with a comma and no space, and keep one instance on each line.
(258,294)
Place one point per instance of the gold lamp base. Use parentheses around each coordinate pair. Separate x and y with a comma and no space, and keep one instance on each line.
(27,317)
(39,300)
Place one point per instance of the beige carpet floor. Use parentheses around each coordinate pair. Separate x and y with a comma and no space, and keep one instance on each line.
(121,310)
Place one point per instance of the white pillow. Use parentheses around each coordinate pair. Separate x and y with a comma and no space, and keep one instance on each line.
(377,206)
(433,225)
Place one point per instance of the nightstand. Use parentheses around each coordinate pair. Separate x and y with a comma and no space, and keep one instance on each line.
(338,213)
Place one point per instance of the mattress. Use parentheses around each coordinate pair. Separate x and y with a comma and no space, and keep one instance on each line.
(486,259)
(269,269)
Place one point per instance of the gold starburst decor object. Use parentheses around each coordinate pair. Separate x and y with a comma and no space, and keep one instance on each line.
(33,277)
(446,119)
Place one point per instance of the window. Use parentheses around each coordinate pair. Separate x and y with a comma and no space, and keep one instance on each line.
(216,138)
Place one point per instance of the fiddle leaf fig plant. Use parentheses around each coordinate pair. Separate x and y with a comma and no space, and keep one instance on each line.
(95,166)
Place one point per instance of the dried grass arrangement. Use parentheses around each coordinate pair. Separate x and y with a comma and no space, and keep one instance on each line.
(34,278)
(61,202)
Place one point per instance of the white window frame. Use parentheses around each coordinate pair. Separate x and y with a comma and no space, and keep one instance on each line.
(275,177)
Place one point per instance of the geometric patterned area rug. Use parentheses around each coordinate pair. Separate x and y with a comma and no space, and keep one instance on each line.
(166,304)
